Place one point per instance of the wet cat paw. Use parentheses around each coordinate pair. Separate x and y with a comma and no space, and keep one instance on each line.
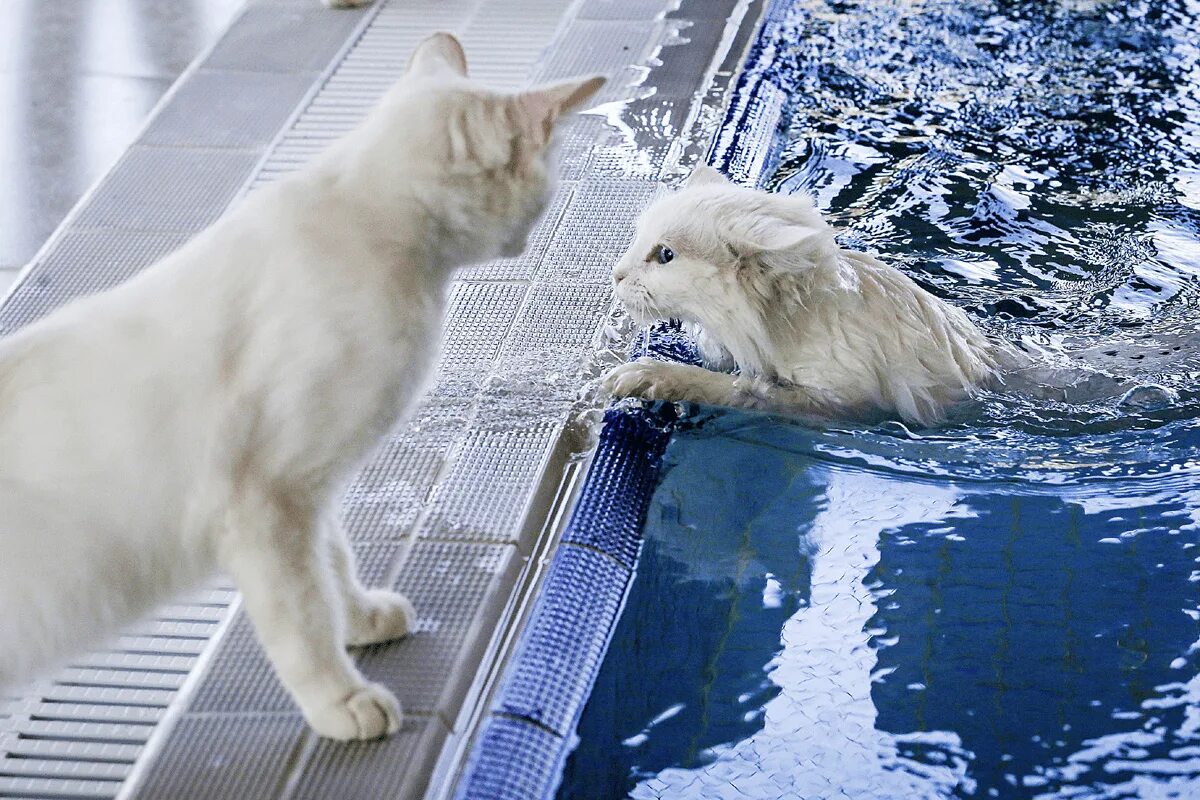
(369,712)
(381,617)
(646,378)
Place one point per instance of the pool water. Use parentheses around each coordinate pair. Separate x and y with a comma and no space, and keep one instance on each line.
(1005,606)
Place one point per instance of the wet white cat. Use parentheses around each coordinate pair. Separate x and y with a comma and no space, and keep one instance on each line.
(811,328)
(208,413)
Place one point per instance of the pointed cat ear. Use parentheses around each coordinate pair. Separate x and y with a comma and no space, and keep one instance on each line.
(704,175)
(812,243)
(437,54)
(540,107)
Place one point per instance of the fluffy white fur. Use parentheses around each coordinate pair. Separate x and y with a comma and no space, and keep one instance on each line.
(208,413)
(810,328)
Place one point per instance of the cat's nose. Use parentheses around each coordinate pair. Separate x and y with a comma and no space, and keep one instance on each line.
(619,274)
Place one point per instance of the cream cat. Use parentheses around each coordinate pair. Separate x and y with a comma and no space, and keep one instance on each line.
(208,413)
(811,328)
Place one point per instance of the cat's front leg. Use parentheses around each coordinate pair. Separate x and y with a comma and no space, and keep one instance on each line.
(652,379)
(372,615)
(277,556)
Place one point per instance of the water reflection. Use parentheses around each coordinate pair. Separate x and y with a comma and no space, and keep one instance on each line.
(806,627)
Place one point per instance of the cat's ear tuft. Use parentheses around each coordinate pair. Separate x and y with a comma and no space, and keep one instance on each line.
(540,107)
(704,175)
(440,53)
(769,234)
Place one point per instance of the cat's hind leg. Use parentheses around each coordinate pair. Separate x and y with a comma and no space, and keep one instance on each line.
(276,553)
(372,615)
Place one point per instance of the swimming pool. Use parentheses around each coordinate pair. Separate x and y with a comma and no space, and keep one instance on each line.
(1006,606)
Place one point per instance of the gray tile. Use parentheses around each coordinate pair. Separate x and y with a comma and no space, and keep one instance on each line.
(614,48)
(398,766)
(82,263)
(525,265)
(596,229)
(225,755)
(478,317)
(387,496)
(241,679)
(60,133)
(274,38)
(239,109)
(458,589)
(491,483)
(623,9)
(168,189)
(77,80)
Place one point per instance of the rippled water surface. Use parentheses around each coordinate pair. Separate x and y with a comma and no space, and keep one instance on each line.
(1007,606)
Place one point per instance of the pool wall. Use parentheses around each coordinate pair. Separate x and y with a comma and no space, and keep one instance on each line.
(530,731)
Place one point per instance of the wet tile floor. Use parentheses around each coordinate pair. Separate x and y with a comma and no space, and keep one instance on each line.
(77,80)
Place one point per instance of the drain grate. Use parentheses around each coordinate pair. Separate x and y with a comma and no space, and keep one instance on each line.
(78,734)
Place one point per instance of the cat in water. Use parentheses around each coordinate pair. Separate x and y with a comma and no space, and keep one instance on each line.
(810,328)
(208,413)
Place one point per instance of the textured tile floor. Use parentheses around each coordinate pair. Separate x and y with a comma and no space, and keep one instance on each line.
(77,81)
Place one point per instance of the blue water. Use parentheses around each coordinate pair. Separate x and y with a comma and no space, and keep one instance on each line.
(1006,606)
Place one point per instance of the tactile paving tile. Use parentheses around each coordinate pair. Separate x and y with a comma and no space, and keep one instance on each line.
(83,263)
(604,47)
(240,678)
(578,137)
(239,109)
(622,9)
(491,482)
(555,665)
(336,769)
(167,189)
(387,496)
(272,38)
(478,316)
(584,251)
(616,203)
(597,46)
(453,586)
(376,561)
(523,267)
(557,324)
(225,755)
(492,773)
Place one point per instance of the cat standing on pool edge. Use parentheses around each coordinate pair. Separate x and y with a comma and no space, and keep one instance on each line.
(810,327)
(209,412)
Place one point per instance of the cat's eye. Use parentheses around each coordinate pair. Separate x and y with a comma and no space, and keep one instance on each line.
(663,254)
